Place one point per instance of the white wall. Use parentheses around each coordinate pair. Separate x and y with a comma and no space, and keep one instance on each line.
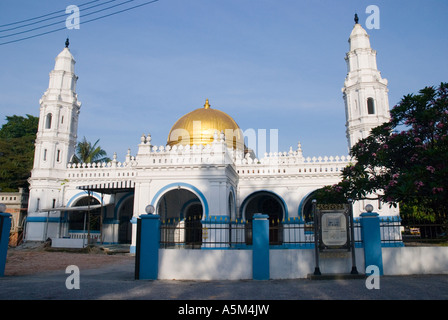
(294,263)
(415,260)
(237,264)
(205,264)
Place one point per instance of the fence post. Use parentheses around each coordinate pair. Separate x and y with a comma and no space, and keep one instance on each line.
(260,247)
(371,237)
(147,247)
(5,227)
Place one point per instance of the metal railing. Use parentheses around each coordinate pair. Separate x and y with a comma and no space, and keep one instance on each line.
(203,234)
(391,231)
(292,233)
(419,231)
(197,234)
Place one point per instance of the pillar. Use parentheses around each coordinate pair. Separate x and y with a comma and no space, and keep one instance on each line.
(371,237)
(147,247)
(5,227)
(260,247)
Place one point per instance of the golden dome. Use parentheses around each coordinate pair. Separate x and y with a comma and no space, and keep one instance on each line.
(200,125)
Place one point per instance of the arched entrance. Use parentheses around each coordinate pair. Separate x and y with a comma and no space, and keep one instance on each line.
(268,203)
(181,213)
(125,213)
(85,219)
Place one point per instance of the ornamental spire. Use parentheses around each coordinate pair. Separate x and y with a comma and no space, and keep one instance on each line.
(206,105)
(356,18)
(67,43)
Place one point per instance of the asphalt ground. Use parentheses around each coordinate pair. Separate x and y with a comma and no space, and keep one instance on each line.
(116,282)
(227,298)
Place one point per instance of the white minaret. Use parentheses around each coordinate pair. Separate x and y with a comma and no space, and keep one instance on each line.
(58,120)
(56,136)
(365,92)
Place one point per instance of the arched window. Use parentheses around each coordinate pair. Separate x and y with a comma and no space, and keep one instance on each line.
(370,106)
(85,219)
(48,121)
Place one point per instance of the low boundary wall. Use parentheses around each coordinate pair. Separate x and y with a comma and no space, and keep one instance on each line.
(190,264)
(262,262)
(415,260)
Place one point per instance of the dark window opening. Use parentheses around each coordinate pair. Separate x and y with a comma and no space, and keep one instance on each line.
(370,106)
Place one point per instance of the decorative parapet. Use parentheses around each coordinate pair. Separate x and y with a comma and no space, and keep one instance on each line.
(291,163)
(102,171)
(102,165)
(291,158)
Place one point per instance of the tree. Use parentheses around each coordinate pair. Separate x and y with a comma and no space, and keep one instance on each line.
(406,159)
(18,126)
(17,138)
(88,153)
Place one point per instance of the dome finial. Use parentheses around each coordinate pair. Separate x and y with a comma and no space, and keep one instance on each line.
(206,105)
(356,18)
(67,42)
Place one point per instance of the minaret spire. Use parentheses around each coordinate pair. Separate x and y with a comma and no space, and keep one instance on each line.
(55,139)
(356,18)
(365,91)
(58,120)
(67,42)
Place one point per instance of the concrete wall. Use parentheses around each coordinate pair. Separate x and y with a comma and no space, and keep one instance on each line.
(415,260)
(294,263)
(237,264)
(205,264)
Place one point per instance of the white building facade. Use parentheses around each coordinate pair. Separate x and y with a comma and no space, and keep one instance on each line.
(203,173)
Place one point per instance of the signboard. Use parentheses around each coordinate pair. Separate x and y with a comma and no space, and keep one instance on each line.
(333,228)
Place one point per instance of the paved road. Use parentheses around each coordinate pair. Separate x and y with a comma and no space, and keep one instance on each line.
(114,282)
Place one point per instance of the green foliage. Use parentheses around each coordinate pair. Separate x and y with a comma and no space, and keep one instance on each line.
(17,138)
(331,195)
(88,153)
(417,213)
(18,127)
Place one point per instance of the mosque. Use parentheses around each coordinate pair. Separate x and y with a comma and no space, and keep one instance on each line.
(204,172)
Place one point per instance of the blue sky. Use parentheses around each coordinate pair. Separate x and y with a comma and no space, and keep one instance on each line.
(270,64)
